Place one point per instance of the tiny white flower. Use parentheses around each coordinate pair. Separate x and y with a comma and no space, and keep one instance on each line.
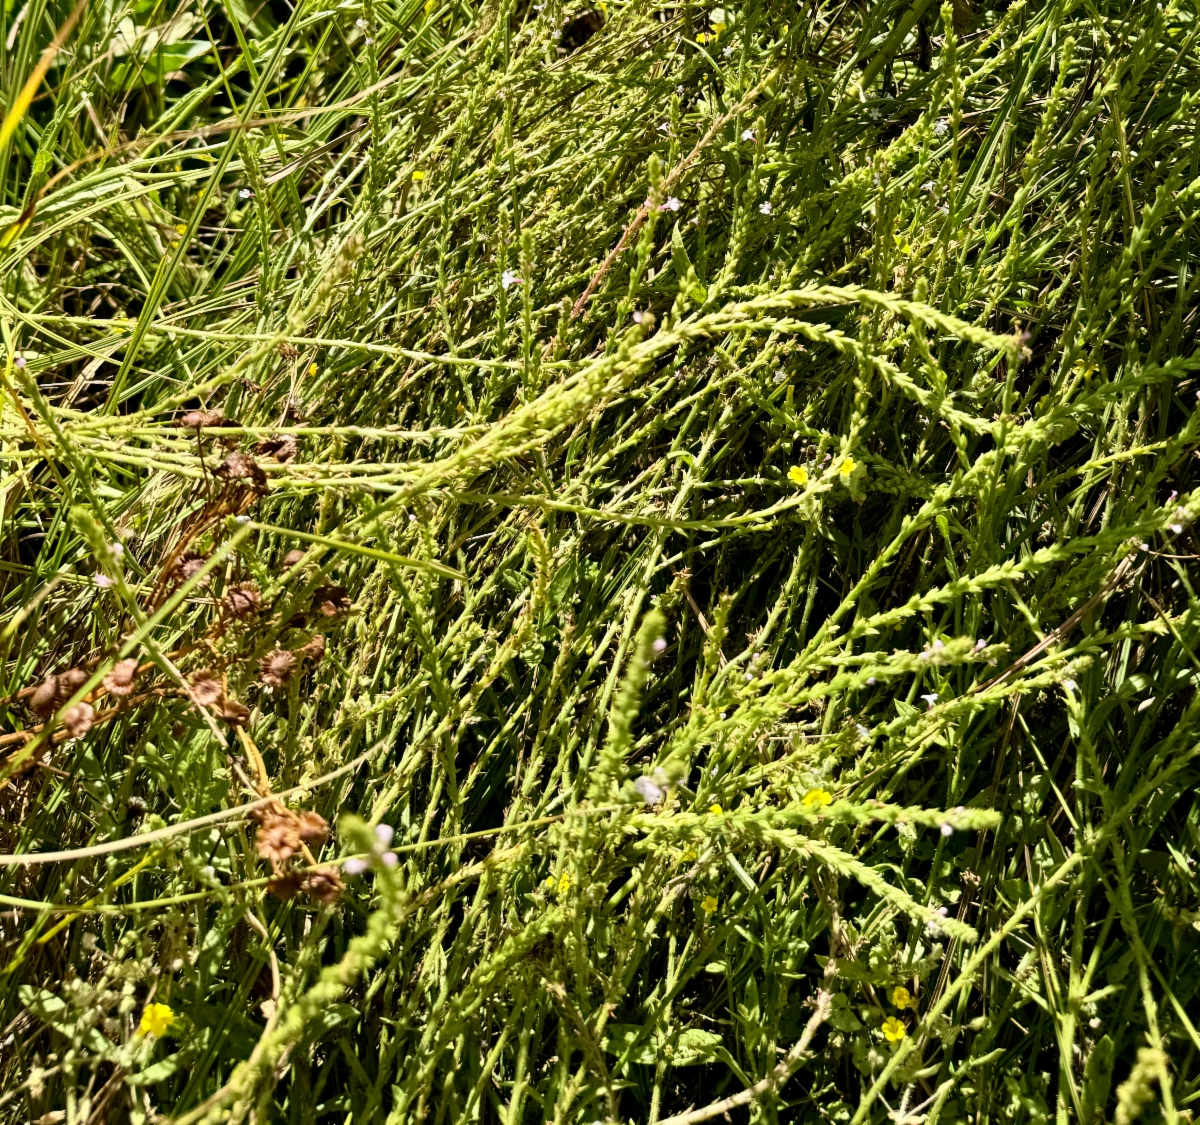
(862,731)
(728,51)
(360,23)
(871,681)
(938,646)
(1070,685)
(1144,546)
(1172,496)
(874,113)
(118,549)
(930,699)
(508,279)
(210,871)
(946,830)
(103,581)
(384,834)
(928,186)
(747,134)
(941,127)
(638,317)
(765,207)
(355,866)
(1144,704)
(672,204)
(650,793)
(665,127)
(556,34)
(980,645)
(242,519)
(778,377)
(1177,528)
(389,859)
(368,41)
(660,645)
(20,362)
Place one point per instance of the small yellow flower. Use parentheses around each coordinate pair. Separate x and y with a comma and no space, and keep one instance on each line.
(180,228)
(894,1030)
(902,998)
(156,1019)
(817,799)
(847,466)
(689,856)
(716,810)
(551,882)
(709,905)
(798,475)
(564,883)
(718,28)
(701,38)
(312,369)
(418,176)
(429,6)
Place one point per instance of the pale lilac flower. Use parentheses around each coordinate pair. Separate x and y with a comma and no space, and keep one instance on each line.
(938,646)
(660,645)
(389,859)
(650,793)
(747,134)
(765,207)
(941,127)
(508,279)
(672,204)
(103,581)
(980,645)
(638,317)
(20,362)
(728,51)
(871,681)
(245,193)
(355,866)
(947,830)
(1177,528)
(384,834)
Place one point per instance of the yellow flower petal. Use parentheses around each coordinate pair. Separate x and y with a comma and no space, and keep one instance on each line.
(716,810)
(709,905)
(418,176)
(894,1030)
(817,799)
(901,997)
(798,475)
(847,466)
(156,1019)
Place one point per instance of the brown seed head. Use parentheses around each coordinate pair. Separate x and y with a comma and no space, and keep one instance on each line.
(243,467)
(242,601)
(283,448)
(314,650)
(331,601)
(187,567)
(276,667)
(286,886)
(198,419)
(78,719)
(292,558)
(205,688)
(234,712)
(324,884)
(121,679)
(314,828)
(277,838)
(42,701)
(69,682)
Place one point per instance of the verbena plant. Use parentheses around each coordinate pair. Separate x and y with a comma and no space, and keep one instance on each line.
(698,500)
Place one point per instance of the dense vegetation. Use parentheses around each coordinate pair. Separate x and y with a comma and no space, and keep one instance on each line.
(599,564)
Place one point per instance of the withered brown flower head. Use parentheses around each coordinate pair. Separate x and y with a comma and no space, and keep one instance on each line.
(197,419)
(313,827)
(277,838)
(292,558)
(283,447)
(314,649)
(187,567)
(286,886)
(331,601)
(44,697)
(288,351)
(324,884)
(205,688)
(243,467)
(276,667)
(234,712)
(69,682)
(242,601)
(78,719)
(121,679)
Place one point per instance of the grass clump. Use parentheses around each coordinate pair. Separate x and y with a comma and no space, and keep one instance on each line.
(621,563)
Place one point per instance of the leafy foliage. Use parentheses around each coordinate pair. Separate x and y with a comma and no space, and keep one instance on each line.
(699,501)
